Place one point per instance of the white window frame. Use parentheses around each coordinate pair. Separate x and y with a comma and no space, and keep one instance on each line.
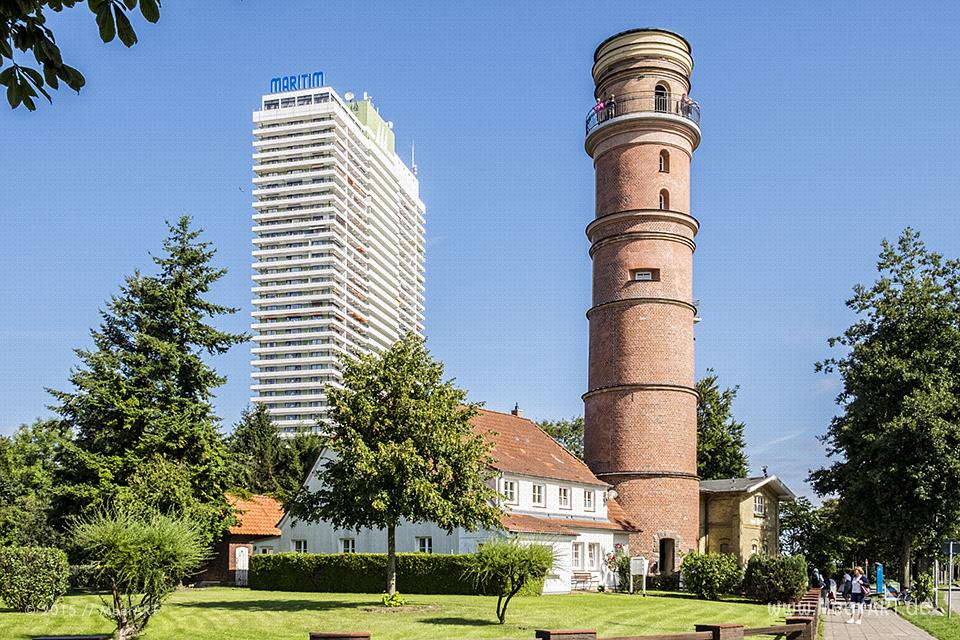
(576,557)
(510,491)
(348,542)
(541,490)
(759,505)
(593,555)
(424,544)
(564,498)
(299,546)
(589,503)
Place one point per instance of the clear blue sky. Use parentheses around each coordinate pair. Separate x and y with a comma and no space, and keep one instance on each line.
(825,129)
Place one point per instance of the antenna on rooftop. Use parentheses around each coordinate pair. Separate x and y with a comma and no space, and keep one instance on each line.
(413,157)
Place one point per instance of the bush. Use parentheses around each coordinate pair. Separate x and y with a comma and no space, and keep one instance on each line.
(923,588)
(664,581)
(83,577)
(505,567)
(142,558)
(363,573)
(772,579)
(32,578)
(710,575)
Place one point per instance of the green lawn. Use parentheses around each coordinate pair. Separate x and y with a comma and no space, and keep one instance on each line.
(240,614)
(936,625)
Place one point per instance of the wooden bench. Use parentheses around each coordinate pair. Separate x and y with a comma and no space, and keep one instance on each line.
(583,580)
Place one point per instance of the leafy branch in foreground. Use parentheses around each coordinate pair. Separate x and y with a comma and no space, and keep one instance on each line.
(23,27)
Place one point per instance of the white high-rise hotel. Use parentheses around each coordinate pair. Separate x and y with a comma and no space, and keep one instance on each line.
(339,247)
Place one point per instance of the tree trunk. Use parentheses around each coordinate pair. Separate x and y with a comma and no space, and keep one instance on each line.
(391,559)
(905,564)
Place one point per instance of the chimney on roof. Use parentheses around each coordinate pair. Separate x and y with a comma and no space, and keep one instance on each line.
(517,411)
(764,467)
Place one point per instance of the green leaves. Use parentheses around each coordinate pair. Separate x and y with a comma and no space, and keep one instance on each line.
(896,442)
(720,440)
(23,28)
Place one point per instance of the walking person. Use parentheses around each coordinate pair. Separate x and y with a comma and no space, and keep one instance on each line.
(859,588)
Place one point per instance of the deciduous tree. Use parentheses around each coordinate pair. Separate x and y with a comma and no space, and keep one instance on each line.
(403,449)
(569,433)
(896,443)
(24,28)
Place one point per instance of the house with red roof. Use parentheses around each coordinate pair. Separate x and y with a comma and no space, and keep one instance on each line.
(547,494)
(257,518)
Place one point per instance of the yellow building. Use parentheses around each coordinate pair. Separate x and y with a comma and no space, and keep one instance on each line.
(741,515)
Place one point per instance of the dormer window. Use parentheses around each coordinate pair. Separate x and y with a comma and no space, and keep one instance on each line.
(538,496)
(588,500)
(564,497)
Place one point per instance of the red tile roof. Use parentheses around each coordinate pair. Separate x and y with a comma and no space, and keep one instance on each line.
(257,516)
(521,446)
(524,523)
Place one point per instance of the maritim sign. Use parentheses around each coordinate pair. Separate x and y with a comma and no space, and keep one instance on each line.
(296,82)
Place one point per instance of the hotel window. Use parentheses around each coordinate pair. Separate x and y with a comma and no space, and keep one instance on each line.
(425,544)
(271,104)
(300,546)
(578,555)
(348,545)
(288,102)
(588,500)
(564,498)
(304,100)
(539,500)
(509,491)
(593,555)
(759,506)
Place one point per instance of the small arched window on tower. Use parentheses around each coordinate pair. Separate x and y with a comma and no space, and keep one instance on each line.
(664,161)
(661,98)
(664,200)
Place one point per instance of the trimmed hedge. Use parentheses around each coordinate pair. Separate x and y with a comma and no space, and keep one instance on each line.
(776,579)
(710,575)
(424,573)
(32,578)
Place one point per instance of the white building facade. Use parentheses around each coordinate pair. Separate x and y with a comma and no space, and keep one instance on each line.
(338,248)
(548,496)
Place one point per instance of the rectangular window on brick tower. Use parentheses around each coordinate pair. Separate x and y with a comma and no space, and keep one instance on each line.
(645,275)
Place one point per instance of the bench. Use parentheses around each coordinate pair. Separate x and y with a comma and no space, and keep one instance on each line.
(583,580)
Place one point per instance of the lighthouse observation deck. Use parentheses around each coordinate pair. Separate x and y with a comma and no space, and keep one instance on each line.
(641,102)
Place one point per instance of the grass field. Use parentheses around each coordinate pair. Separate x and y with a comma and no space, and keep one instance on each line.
(939,626)
(241,614)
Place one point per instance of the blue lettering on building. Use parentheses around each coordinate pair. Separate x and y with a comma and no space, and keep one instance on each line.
(296,82)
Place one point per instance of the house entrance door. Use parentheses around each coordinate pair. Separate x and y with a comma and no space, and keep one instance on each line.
(242,564)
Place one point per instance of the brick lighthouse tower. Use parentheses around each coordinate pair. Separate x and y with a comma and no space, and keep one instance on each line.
(641,405)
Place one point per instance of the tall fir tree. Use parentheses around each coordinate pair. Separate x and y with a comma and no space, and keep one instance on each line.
(140,403)
(720,440)
(264,462)
(896,443)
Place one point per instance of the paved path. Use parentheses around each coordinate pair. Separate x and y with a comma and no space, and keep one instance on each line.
(877,623)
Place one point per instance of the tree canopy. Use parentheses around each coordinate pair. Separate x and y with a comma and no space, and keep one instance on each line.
(896,443)
(140,404)
(29,459)
(403,448)
(720,439)
(266,463)
(569,433)
(24,28)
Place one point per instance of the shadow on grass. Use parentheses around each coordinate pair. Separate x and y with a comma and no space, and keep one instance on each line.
(275,605)
(462,622)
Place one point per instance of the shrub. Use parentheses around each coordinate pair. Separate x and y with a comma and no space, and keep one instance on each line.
(361,573)
(83,577)
(923,588)
(393,601)
(710,575)
(772,579)
(664,581)
(505,567)
(32,578)
(141,558)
